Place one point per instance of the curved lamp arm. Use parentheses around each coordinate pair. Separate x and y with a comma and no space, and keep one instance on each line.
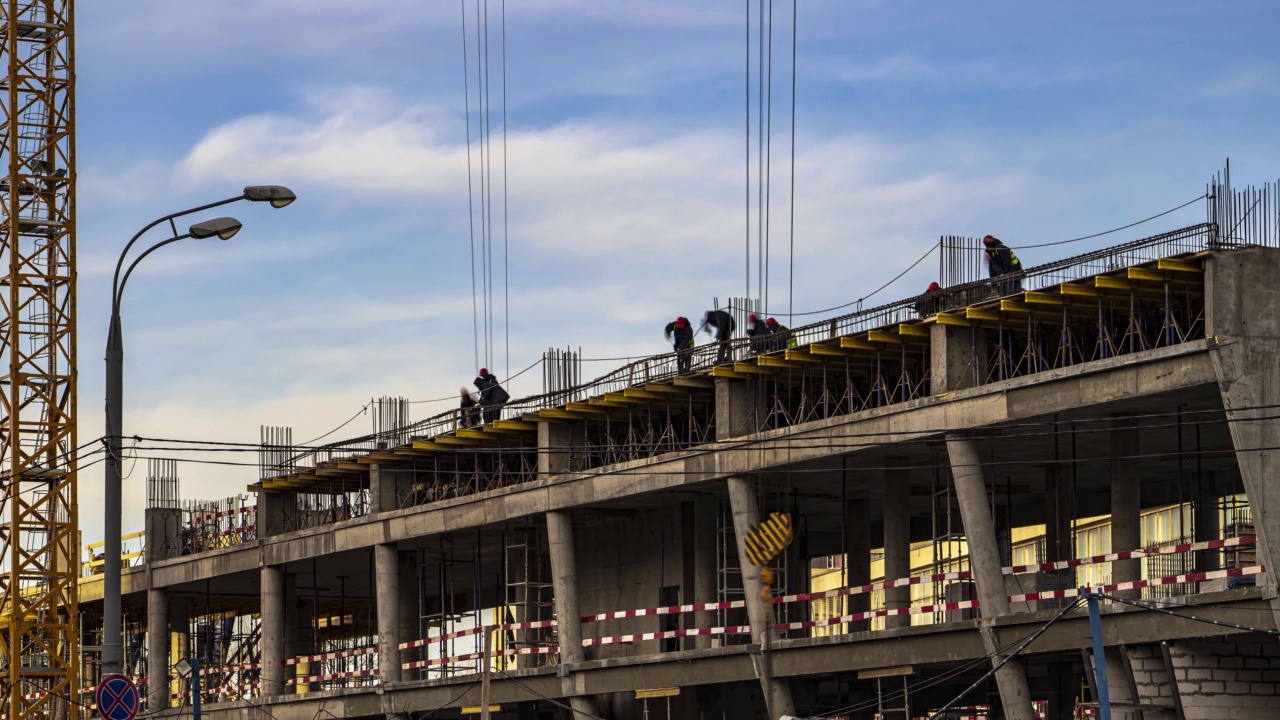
(115,281)
(115,303)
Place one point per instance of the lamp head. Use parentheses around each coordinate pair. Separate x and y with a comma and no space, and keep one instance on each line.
(277,195)
(183,667)
(224,228)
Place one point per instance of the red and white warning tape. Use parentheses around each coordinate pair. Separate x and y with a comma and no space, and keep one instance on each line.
(226,669)
(1137,584)
(641,637)
(669,610)
(961,605)
(476,656)
(533,624)
(873,587)
(332,655)
(332,676)
(1133,554)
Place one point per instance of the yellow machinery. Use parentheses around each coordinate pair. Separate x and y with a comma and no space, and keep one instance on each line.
(39,555)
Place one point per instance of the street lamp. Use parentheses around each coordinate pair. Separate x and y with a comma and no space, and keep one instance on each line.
(190,667)
(222,228)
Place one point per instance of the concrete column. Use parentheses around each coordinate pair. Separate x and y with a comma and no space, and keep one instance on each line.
(1242,324)
(1057,515)
(272,507)
(162,533)
(554,439)
(746,512)
(897,543)
(738,410)
(387,572)
(564,580)
(1126,502)
(1207,521)
(157,649)
(984,562)
(272,609)
(410,609)
(957,358)
(382,489)
(179,638)
(706,510)
(857,557)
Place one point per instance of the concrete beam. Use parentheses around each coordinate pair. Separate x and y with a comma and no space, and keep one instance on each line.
(1056,391)
(746,512)
(738,408)
(957,358)
(984,560)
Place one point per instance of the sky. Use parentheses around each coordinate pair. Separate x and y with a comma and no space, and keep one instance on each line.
(626,185)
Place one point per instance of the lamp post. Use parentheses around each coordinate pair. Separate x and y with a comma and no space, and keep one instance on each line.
(223,228)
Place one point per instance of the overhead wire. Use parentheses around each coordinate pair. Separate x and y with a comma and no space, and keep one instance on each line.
(768,167)
(471,212)
(1112,230)
(506,276)
(1184,616)
(557,703)
(791,262)
(747,178)
(486,340)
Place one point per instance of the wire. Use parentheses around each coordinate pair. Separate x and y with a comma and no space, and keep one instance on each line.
(557,703)
(471,212)
(747,183)
(455,699)
(995,668)
(873,292)
(363,409)
(1207,621)
(1108,232)
(791,263)
(506,275)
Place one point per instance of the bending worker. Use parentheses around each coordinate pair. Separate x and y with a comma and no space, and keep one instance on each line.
(1002,262)
(724,325)
(680,333)
(757,330)
(492,396)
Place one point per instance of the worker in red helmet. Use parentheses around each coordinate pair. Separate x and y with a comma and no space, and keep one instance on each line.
(680,333)
(758,331)
(492,395)
(779,335)
(1003,264)
(930,302)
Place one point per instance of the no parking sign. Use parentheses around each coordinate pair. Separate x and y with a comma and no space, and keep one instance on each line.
(117,698)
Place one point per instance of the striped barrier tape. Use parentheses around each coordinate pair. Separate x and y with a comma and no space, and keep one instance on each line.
(335,655)
(860,589)
(669,610)
(226,669)
(641,637)
(961,605)
(531,625)
(1138,584)
(1133,554)
(478,655)
(226,513)
(332,676)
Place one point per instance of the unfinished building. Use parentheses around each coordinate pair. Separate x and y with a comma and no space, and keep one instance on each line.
(953,480)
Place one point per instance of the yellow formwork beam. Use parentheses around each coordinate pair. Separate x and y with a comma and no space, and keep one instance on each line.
(1139,273)
(857,344)
(1107,282)
(990,314)
(1176,265)
(639,394)
(803,356)
(913,330)
(721,371)
(1073,289)
(514,425)
(750,368)
(1014,306)
(882,336)
(948,318)
(827,350)
(1043,298)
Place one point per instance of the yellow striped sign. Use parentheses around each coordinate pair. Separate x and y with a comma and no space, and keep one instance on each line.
(767,539)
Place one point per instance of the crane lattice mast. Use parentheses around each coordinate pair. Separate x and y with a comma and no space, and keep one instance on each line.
(39,554)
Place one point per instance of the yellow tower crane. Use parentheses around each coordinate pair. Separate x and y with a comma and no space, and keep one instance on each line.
(39,558)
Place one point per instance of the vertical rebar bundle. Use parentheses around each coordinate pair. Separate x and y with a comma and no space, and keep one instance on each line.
(162,483)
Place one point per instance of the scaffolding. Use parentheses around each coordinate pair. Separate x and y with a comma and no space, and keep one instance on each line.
(528,596)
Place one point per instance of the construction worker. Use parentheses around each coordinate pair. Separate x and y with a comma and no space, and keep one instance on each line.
(724,325)
(930,302)
(779,335)
(758,331)
(469,411)
(492,396)
(1002,262)
(680,334)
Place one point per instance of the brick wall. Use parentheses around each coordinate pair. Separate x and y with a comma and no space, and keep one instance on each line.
(1151,680)
(1229,680)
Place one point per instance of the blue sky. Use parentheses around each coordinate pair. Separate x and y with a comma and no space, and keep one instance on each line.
(625,155)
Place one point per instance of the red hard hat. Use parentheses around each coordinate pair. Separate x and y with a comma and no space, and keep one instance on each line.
(987,240)
(754,317)
(933,287)
(771,321)
(681,322)
(483,372)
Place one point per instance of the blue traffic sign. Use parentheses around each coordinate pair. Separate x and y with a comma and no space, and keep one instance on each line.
(117,698)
